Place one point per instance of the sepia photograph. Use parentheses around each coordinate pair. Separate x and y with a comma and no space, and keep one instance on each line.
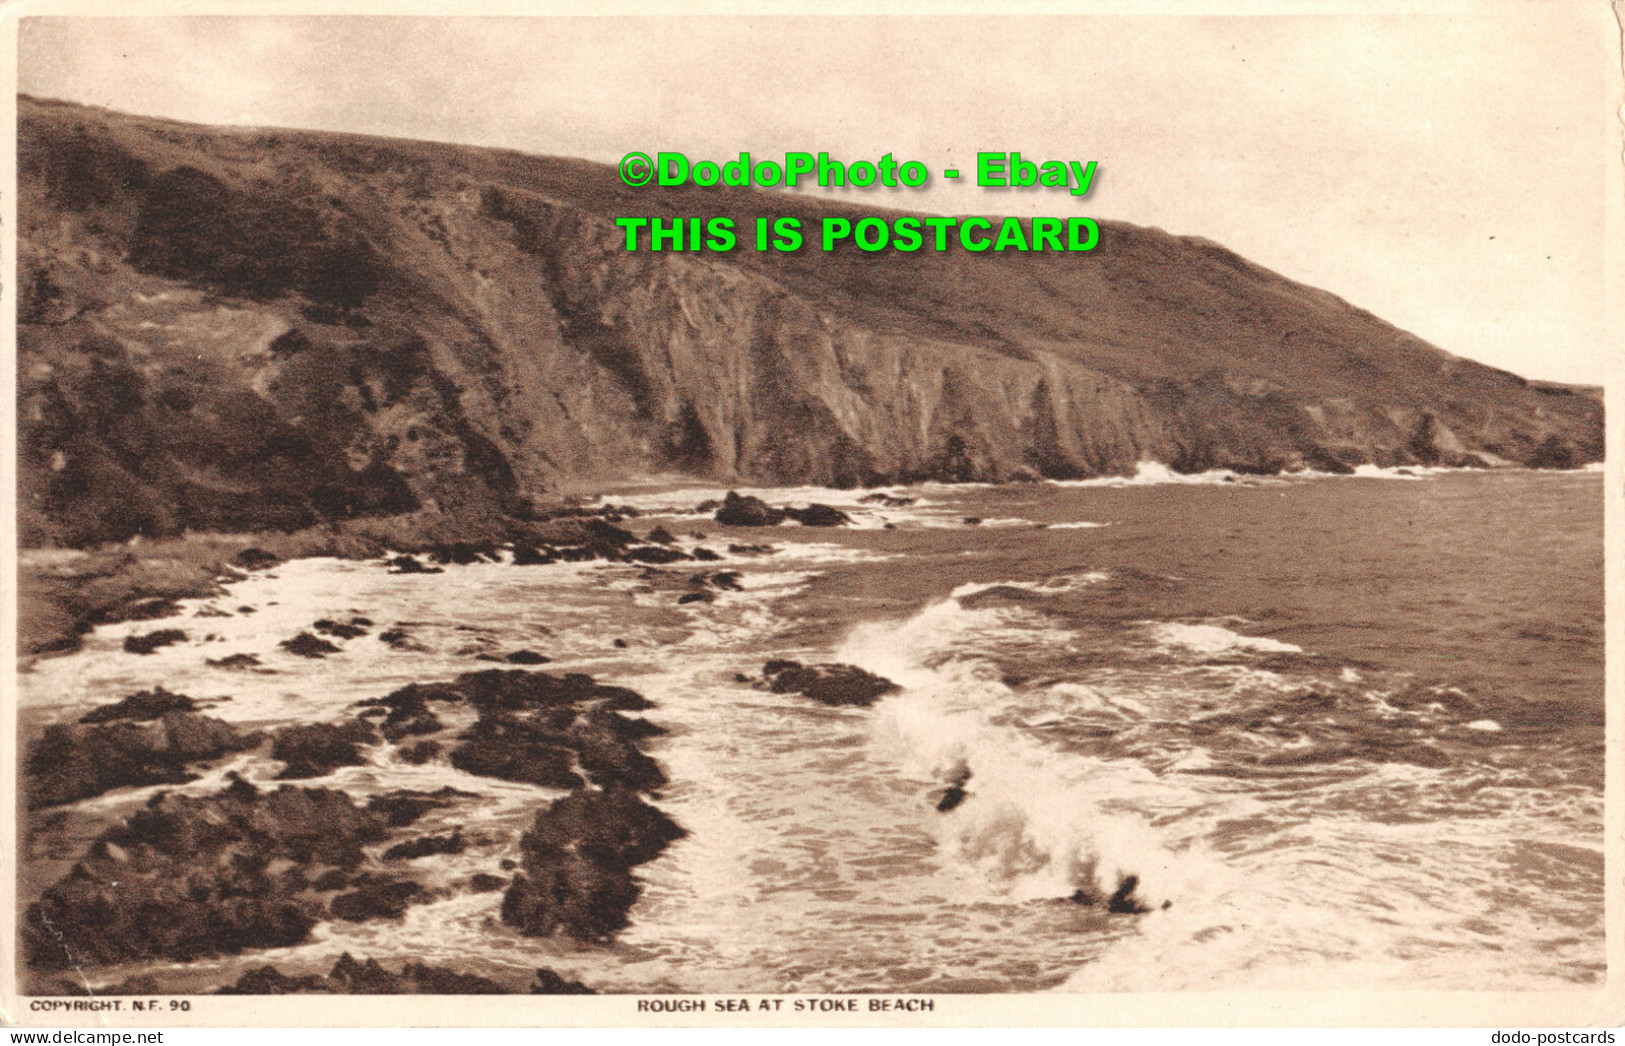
(855,513)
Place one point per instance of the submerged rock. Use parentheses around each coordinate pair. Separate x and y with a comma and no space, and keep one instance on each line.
(830,684)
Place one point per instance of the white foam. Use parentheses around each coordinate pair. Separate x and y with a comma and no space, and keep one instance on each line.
(1212,639)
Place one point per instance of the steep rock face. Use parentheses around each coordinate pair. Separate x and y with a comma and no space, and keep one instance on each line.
(228,328)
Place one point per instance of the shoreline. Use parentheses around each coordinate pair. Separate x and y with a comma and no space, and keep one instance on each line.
(64,592)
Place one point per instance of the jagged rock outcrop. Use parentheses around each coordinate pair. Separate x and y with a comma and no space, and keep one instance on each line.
(230,328)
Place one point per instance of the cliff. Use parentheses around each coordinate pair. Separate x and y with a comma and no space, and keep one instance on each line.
(232,328)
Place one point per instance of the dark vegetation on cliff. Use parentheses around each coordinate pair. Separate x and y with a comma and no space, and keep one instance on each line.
(225,329)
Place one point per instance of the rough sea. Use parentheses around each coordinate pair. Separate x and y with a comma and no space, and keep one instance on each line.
(1342,731)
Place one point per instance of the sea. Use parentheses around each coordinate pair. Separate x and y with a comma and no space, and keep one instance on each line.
(1327,732)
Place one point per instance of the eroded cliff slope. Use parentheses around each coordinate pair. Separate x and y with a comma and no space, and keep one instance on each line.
(231,328)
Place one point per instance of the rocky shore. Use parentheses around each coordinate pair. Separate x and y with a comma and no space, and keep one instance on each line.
(197,875)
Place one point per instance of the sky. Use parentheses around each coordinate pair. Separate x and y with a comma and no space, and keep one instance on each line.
(1445,171)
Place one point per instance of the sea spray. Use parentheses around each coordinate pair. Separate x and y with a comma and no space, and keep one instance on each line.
(1032,823)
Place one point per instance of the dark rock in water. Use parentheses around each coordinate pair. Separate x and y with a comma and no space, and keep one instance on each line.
(661,536)
(697,597)
(880,498)
(149,609)
(527,657)
(409,713)
(396,637)
(752,550)
(268,980)
(830,684)
(210,612)
(705,555)
(377,897)
(420,753)
(485,882)
(620,644)
(69,762)
(955,793)
(578,856)
(464,553)
(410,565)
(247,610)
(317,749)
(153,640)
(148,704)
(401,808)
(747,511)
(605,745)
(306,645)
(725,580)
(144,985)
(330,881)
(487,657)
(549,983)
(531,556)
(1123,900)
(234,662)
(205,864)
(952,796)
(580,538)
(514,758)
(350,977)
(973,521)
(708,505)
(255,559)
(426,846)
(655,554)
(816,515)
(341,631)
